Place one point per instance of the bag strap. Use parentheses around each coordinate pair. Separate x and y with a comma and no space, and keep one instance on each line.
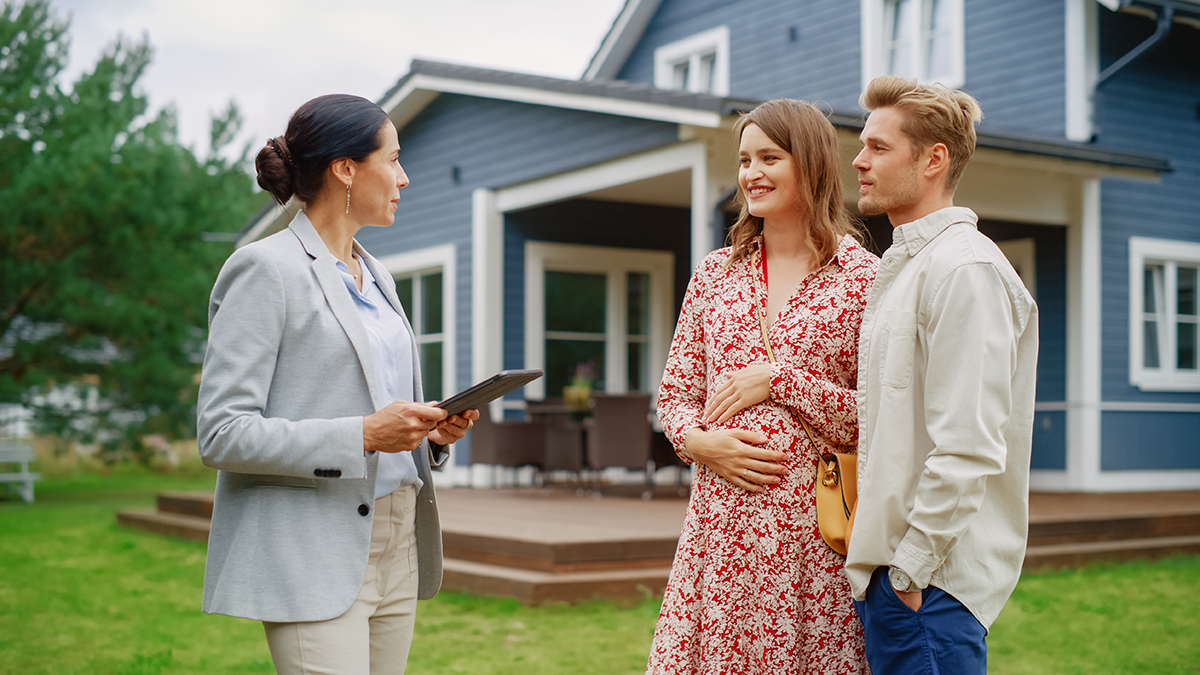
(762,323)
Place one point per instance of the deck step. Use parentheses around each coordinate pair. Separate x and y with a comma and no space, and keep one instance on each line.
(1080,553)
(199,504)
(535,587)
(194,528)
(558,557)
(1083,530)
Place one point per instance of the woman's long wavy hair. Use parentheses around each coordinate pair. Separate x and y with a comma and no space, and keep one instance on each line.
(804,132)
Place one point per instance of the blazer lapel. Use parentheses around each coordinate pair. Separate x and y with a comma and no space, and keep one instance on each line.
(324,267)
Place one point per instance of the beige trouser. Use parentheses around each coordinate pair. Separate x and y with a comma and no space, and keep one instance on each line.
(374,635)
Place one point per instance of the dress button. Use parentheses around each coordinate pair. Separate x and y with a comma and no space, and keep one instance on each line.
(363,509)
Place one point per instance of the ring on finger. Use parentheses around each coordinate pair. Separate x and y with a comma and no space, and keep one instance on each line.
(744,471)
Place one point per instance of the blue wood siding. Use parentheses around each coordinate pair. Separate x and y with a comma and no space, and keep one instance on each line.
(1150,107)
(821,64)
(493,144)
(1015,60)
(1140,441)
(591,222)
(1016,64)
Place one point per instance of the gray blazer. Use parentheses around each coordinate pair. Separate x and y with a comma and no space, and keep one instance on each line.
(287,380)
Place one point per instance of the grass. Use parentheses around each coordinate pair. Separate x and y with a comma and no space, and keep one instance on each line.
(78,594)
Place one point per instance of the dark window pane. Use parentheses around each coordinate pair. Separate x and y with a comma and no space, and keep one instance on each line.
(575,302)
(431,303)
(1187,291)
(638,291)
(562,358)
(404,289)
(431,370)
(1187,346)
(1150,344)
(639,366)
(1150,289)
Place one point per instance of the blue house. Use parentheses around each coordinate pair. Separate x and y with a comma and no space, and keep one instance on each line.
(552,222)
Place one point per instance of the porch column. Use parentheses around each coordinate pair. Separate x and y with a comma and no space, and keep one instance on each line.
(1083,338)
(702,232)
(487,289)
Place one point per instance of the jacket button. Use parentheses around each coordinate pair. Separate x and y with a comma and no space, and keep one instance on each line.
(318,473)
(336,473)
(363,509)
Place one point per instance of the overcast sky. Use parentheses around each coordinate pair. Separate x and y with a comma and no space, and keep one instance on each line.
(273,55)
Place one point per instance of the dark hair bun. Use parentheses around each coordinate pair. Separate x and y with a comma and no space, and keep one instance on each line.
(324,130)
(276,173)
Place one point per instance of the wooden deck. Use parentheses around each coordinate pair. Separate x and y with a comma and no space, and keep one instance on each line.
(549,545)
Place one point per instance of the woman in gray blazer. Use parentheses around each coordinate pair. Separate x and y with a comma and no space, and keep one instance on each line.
(325,524)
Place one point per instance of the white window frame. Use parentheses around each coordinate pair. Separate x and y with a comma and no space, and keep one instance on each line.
(615,263)
(691,50)
(1169,253)
(425,261)
(876,37)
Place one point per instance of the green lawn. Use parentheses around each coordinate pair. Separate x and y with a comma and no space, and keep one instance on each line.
(80,595)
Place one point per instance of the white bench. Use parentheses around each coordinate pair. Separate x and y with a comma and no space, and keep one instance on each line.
(22,481)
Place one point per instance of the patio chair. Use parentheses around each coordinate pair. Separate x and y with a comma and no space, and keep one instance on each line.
(512,443)
(620,433)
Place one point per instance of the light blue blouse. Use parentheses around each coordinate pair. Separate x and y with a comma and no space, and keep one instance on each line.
(391,352)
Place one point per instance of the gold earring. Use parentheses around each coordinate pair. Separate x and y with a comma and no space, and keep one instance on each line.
(348,196)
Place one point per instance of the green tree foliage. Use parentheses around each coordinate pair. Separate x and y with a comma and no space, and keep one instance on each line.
(104,274)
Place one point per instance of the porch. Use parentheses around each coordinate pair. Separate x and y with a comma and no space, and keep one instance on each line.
(544,545)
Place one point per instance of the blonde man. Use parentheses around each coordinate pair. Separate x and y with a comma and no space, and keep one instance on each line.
(947,360)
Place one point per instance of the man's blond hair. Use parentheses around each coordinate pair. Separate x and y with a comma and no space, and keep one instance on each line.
(930,113)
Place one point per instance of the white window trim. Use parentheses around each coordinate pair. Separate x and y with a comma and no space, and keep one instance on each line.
(1144,250)
(874,41)
(430,260)
(691,48)
(615,263)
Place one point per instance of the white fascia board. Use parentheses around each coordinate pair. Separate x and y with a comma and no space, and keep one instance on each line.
(1085,169)
(554,99)
(626,32)
(609,174)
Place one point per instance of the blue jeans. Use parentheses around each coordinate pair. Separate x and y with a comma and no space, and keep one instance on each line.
(943,638)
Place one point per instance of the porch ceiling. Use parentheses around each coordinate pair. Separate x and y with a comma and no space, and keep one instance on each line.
(672,189)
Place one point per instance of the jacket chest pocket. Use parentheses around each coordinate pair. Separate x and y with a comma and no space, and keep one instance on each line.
(900,333)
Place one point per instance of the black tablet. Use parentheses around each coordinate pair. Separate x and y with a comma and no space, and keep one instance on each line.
(489,390)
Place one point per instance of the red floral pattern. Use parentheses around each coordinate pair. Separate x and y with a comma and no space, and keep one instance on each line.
(753,588)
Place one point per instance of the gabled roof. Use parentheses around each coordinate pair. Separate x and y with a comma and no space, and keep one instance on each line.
(426,80)
(623,36)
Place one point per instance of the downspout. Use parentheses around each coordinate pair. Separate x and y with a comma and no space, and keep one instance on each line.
(1160,34)
(1161,31)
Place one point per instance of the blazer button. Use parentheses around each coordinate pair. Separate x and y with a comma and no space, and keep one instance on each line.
(319,473)
(336,473)
(363,509)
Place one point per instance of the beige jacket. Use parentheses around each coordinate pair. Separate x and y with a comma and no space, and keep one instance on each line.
(947,364)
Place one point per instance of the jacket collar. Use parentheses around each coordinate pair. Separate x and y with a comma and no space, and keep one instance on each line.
(915,235)
(325,268)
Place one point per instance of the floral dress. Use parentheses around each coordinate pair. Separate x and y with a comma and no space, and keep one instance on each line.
(753,588)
